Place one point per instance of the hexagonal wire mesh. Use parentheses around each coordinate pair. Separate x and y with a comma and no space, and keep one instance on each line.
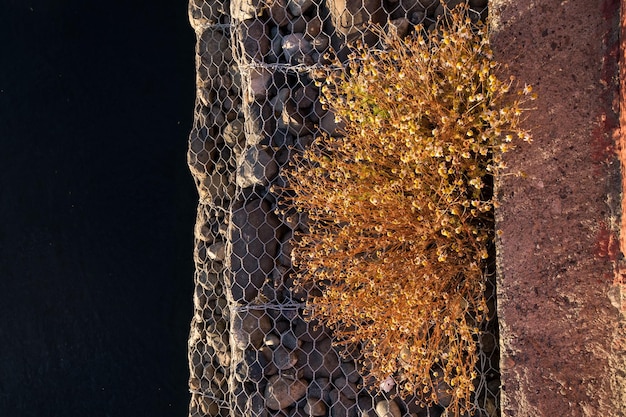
(250,350)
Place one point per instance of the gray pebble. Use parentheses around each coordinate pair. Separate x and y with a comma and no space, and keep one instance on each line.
(444,393)
(401,26)
(351,18)
(297,25)
(349,371)
(215,189)
(294,121)
(293,373)
(411,6)
(276,48)
(254,247)
(366,406)
(487,342)
(329,125)
(322,360)
(285,252)
(269,369)
(478,4)
(309,331)
(320,388)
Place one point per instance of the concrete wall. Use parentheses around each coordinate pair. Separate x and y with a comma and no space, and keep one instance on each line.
(562,332)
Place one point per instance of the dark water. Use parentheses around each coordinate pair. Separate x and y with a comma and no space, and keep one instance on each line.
(96,207)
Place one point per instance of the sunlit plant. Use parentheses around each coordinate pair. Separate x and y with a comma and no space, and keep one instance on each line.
(401,205)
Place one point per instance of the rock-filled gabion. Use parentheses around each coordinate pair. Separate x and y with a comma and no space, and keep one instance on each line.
(251,352)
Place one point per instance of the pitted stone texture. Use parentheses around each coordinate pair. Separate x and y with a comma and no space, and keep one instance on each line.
(563,200)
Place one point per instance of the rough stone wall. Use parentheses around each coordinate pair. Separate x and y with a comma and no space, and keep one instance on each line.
(561,329)
(250,351)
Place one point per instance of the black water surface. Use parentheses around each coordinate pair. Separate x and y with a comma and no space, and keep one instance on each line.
(96,207)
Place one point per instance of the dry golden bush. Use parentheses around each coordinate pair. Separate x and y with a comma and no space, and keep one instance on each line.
(401,208)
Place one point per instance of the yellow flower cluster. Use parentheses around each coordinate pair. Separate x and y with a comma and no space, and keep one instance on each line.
(401,206)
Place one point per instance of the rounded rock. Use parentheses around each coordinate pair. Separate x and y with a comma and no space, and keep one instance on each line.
(281,392)
(295,44)
(388,408)
(250,328)
(283,358)
(298,7)
(315,407)
(272,340)
(255,167)
(305,96)
(314,27)
(348,389)
(279,12)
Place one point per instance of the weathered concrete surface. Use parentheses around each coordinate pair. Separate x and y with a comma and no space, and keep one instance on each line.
(562,332)
(620,276)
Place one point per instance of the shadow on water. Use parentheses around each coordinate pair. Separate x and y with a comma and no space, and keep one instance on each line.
(97,208)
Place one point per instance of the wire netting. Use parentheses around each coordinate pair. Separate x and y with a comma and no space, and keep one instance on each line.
(251,352)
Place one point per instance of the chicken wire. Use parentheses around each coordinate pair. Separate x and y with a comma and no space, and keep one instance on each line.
(251,352)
